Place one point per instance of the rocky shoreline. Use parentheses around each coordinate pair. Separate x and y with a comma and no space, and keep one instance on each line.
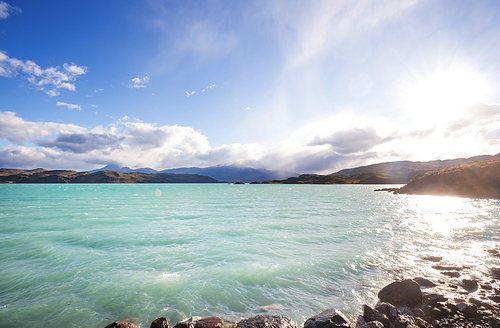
(461,297)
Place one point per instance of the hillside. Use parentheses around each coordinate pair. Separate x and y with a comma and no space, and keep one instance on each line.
(479,180)
(67,176)
(403,171)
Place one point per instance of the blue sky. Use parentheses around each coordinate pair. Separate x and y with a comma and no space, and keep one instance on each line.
(288,85)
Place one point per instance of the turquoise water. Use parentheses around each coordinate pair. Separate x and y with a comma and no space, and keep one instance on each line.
(85,255)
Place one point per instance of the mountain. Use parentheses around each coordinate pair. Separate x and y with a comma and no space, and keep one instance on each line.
(234,173)
(221,172)
(67,176)
(479,180)
(403,171)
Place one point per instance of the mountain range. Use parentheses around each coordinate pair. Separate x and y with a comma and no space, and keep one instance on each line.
(220,172)
(402,172)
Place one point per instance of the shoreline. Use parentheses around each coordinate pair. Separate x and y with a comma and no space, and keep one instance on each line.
(462,296)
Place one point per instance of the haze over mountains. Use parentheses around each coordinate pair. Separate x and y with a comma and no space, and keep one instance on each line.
(223,172)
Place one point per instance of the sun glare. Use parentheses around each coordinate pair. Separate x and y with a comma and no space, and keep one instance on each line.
(443,95)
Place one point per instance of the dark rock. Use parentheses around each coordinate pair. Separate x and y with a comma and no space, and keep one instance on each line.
(388,309)
(270,321)
(373,315)
(424,282)
(469,284)
(495,272)
(434,298)
(401,293)
(447,268)
(495,298)
(160,323)
(433,258)
(121,324)
(188,323)
(404,321)
(209,322)
(471,311)
(494,321)
(486,286)
(374,324)
(327,319)
(452,274)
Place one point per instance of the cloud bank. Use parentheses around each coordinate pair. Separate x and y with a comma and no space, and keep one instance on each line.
(341,141)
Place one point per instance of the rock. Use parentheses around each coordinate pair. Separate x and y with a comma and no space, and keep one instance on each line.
(268,321)
(121,324)
(209,322)
(433,258)
(374,324)
(373,315)
(160,323)
(401,293)
(434,298)
(424,282)
(327,319)
(404,321)
(470,311)
(452,274)
(448,268)
(188,323)
(469,284)
(388,309)
(495,272)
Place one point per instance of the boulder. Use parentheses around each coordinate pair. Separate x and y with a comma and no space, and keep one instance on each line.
(267,321)
(374,324)
(469,284)
(121,324)
(160,323)
(388,309)
(330,318)
(406,292)
(188,323)
(209,322)
(424,282)
(373,315)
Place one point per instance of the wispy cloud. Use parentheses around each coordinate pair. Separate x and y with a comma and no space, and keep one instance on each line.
(69,106)
(138,82)
(5,9)
(208,87)
(48,80)
(189,94)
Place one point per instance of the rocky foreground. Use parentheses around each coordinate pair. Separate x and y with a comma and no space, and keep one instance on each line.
(461,297)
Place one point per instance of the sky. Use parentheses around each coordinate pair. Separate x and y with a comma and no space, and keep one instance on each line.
(301,86)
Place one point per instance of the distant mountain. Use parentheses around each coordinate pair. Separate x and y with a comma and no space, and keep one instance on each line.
(221,172)
(67,176)
(234,173)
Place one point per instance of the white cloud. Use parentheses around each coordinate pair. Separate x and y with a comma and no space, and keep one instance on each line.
(331,144)
(138,82)
(47,80)
(5,8)
(248,108)
(189,94)
(208,87)
(69,106)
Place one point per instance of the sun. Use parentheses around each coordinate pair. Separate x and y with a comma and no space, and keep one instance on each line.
(442,95)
